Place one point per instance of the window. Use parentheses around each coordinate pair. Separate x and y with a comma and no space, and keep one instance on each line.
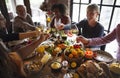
(118,2)
(83,12)
(105,14)
(109,16)
(37,14)
(116,18)
(84,1)
(75,12)
(77,1)
(108,2)
(11,6)
(19,2)
(96,1)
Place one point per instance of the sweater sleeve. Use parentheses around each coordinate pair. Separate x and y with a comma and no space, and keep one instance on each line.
(9,37)
(69,26)
(103,40)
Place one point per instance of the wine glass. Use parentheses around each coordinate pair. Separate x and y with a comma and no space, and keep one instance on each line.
(63,35)
(74,29)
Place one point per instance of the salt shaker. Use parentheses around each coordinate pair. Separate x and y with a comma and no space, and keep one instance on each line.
(65,66)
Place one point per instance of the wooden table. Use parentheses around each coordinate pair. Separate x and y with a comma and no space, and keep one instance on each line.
(45,72)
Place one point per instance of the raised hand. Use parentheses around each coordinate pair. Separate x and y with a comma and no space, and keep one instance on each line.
(44,36)
(60,27)
(82,39)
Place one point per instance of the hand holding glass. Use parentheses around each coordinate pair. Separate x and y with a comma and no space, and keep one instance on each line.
(74,29)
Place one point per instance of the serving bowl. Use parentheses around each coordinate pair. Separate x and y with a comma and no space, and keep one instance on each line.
(55,66)
(103,56)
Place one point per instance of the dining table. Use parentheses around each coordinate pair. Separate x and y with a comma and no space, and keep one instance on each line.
(35,69)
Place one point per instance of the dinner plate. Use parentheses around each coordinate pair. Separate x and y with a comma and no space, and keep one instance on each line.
(103,56)
(47,42)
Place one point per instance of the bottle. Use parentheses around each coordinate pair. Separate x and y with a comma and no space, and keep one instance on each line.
(45,58)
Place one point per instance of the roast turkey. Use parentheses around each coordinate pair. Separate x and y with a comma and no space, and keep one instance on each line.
(91,69)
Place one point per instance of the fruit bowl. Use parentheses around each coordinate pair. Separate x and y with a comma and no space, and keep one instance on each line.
(74,53)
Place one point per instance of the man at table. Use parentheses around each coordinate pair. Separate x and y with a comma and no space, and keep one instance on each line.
(23,22)
(90,27)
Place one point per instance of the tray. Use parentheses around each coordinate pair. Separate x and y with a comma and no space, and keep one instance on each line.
(34,67)
(103,56)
